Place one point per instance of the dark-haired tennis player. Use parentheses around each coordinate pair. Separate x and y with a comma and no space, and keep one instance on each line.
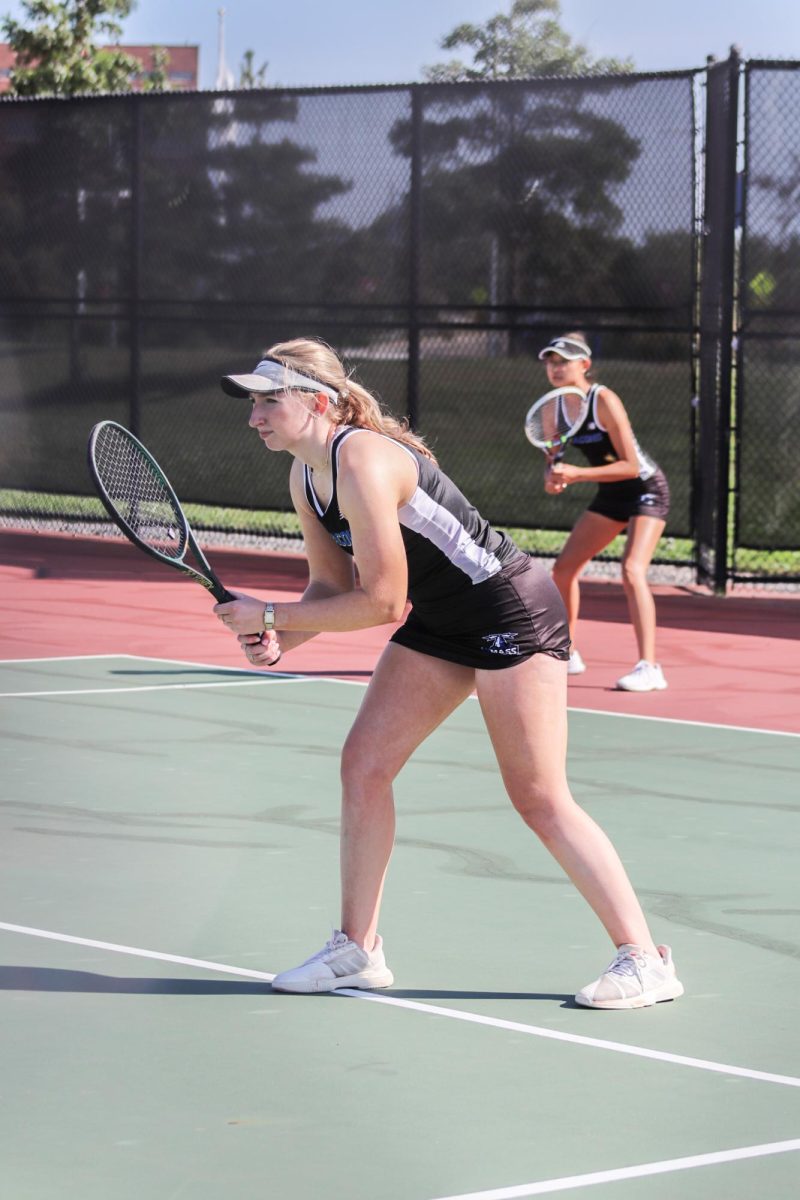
(484,617)
(632,493)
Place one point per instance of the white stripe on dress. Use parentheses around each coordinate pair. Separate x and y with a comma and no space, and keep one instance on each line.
(439,526)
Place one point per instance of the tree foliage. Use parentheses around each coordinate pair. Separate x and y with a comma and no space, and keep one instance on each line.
(524,43)
(249,75)
(56,50)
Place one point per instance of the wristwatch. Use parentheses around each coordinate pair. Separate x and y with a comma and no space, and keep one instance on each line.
(269,616)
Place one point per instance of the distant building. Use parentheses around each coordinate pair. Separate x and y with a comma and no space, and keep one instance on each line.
(182,66)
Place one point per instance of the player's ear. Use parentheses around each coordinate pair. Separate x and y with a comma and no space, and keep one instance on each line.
(321,402)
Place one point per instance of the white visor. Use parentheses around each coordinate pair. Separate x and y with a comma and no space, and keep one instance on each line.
(569,348)
(272,376)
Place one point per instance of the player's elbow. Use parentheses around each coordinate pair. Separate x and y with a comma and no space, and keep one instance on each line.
(388,605)
(393,608)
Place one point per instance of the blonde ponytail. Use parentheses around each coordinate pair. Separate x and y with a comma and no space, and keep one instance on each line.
(355,405)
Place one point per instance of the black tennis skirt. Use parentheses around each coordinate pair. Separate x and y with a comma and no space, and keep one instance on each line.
(633,498)
(495,624)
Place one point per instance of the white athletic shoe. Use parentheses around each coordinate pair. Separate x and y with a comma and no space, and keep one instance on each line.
(576,665)
(645,677)
(633,980)
(339,964)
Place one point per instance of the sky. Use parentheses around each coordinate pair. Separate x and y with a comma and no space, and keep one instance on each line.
(319,43)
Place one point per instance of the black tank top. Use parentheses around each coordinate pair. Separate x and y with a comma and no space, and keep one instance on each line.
(449,546)
(593,441)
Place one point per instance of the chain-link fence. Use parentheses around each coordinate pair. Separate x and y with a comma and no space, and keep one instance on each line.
(438,235)
(768,391)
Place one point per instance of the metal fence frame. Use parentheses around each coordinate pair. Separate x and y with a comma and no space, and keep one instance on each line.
(714,329)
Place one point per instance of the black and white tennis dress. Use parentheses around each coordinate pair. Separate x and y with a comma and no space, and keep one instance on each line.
(476,598)
(645,496)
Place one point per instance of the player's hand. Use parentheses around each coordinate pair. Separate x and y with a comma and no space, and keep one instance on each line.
(261,650)
(552,484)
(562,474)
(245,614)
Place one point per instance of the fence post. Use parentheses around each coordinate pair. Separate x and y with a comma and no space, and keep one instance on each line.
(712,485)
(414,256)
(135,266)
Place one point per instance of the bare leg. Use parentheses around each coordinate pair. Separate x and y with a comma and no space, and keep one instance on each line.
(643,537)
(410,694)
(525,708)
(591,534)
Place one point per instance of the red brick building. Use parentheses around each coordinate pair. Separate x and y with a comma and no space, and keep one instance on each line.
(182,66)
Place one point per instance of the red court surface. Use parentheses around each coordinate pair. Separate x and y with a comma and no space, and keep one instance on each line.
(730,661)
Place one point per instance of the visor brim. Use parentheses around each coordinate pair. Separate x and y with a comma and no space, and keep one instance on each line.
(245,385)
(576,357)
(273,376)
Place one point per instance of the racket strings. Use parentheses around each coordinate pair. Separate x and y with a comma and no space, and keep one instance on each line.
(139,493)
(555,420)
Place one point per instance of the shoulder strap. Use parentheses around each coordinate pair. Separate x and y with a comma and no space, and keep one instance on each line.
(338,439)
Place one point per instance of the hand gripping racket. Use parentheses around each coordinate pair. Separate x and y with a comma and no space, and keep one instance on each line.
(140,500)
(555,418)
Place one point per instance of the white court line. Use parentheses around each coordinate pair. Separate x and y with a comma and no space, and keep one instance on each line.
(681,721)
(152,687)
(546,1186)
(684,1060)
(249,677)
(431,1009)
(10,662)
(135,951)
(359,683)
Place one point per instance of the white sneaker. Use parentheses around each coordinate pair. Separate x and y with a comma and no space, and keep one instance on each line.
(576,665)
(339,964)
(633,980)
(645,677)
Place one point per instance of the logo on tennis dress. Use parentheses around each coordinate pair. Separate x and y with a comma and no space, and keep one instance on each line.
(648,498)
(345,538)
(500,643)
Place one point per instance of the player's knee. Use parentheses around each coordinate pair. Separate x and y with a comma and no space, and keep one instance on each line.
(362,769)
(564,574)
(540,808)
(634,574)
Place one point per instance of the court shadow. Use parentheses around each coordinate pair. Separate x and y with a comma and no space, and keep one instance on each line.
(568,1001)
(52,979)
(55,979)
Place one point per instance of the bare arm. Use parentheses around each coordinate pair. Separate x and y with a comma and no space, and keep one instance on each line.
(612,414)
(375,478)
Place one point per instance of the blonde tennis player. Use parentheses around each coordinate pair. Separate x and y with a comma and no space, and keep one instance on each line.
(484,617)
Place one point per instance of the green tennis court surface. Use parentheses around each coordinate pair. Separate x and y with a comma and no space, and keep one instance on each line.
(169,840)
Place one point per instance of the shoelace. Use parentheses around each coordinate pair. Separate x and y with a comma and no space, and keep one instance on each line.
(627,963)
(333,943)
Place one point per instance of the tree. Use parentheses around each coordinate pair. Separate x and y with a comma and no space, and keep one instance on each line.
(518,189)
(525,43)
(56,51)
(156,79)
(248,76)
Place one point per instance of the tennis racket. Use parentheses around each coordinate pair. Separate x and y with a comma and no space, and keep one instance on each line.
(139,499)
(555,418)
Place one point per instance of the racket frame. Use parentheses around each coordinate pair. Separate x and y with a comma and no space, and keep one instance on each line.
(207,577)
(557,443)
